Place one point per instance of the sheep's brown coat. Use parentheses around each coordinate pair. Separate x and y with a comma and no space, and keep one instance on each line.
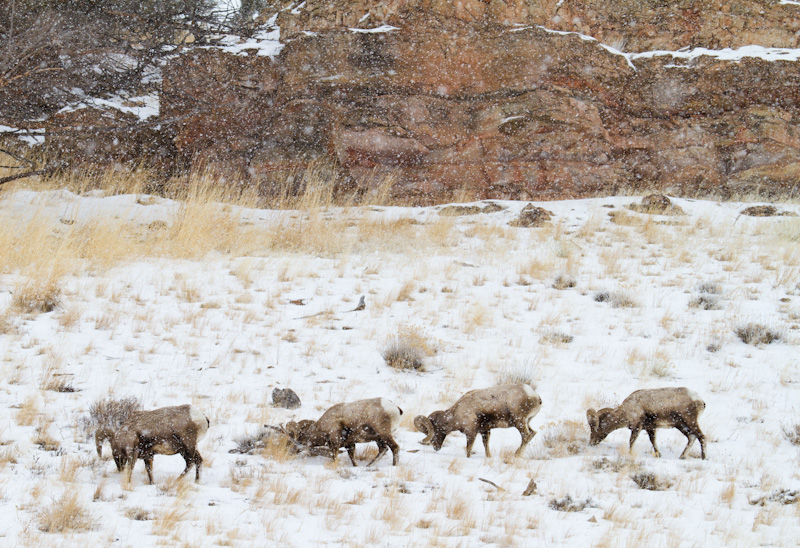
(346,424)
(650,409)
(478,411)
(165,431)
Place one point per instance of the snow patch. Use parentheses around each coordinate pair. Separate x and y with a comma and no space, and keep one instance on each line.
(376,30)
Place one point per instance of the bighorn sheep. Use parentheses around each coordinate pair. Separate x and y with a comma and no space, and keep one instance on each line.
(346,424)
(478,411)
(165,431)
(648,410)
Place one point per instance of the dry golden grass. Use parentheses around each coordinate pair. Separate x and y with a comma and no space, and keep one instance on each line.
(68,469)
(42,438)
(28,411)
(167,522)
(8,455)
(40,293)
(66,514)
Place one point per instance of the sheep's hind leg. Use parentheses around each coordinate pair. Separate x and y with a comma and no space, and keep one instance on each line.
(351,452)
(148,466)
(381,451)
(485,436)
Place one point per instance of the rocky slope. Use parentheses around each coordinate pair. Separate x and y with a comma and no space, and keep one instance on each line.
(505,99)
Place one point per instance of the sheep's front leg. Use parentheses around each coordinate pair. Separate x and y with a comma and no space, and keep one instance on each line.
(527,435)
(634,434)
(471,435)
(652,433)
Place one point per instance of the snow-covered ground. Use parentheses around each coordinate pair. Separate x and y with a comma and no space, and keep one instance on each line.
(272,307)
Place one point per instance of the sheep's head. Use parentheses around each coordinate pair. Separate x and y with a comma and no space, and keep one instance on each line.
(599,425)
(432,427)
(101,435)
(124,447)
(299,432)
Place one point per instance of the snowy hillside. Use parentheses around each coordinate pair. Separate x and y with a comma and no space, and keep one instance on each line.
(217,305)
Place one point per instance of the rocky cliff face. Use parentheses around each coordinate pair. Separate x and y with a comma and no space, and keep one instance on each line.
(502,99)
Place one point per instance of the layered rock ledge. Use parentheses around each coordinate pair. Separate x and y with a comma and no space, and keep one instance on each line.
(506,99)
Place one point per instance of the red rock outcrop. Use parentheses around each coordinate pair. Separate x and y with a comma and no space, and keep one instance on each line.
(454,101)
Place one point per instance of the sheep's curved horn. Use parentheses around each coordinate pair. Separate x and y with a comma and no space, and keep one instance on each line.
(101,435)
(591,418)
(291,429)
(424,425)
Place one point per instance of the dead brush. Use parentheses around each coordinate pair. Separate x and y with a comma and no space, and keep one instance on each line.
(792,433)
(705,302)
(107,415)
(567,504)
(617,299)
(757,334)
(563,281)
(564,438)
(269,442)
(407,349)
(650,481)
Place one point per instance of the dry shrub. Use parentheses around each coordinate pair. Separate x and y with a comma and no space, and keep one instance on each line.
(565,438)
(705,302)
(616,299)
(137,513)
(111,413)
(521,374)
(792,433)
(407,349)
(567,504)
(712,288)
(755,334)
(563,281)
(782,496)
(66,515)
(651,482)
(269,443)
(556,337)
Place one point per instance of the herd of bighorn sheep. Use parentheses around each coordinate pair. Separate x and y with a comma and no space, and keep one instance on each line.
(176,430)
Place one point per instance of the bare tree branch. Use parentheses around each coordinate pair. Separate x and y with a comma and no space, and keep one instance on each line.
(8,179)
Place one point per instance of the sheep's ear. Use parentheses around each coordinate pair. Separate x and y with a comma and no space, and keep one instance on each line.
(591,417)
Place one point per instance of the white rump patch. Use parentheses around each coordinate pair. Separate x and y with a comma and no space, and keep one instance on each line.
(694,397)
(200,420)
(392,410)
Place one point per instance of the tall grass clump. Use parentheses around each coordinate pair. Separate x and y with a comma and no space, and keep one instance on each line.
(66,514)
(38,294)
